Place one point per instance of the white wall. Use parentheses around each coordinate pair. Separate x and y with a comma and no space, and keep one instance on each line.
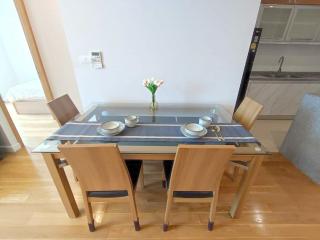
(8,142)
(17,64)
(198,47)
(7,75)
(300,58)
(45,19)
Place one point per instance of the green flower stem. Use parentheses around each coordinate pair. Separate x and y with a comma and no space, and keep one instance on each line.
(153,101)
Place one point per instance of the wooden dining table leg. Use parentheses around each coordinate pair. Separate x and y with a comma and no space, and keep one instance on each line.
(244,186)
(60,180)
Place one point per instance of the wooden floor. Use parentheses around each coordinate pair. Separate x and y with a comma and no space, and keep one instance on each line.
(283,204)
(33,129)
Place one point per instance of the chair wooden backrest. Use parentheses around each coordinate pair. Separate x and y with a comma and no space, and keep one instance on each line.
(99,167)
(63,109)
(199,167)
(247,112)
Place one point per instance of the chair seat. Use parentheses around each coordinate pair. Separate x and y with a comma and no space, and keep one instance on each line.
(134,167)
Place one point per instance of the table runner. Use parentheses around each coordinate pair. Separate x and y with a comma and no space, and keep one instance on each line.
(158,129)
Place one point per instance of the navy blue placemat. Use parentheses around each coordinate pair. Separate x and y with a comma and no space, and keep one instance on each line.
(164,129)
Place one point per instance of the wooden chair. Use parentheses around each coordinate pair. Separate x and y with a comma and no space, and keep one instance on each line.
(103,176)
(246,114)
(196,174)
(63,109)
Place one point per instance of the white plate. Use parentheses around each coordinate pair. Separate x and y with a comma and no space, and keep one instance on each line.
(111,127)
(203,133)
(121,127)
(193,129)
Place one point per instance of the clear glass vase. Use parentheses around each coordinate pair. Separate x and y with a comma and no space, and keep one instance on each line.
(154,104)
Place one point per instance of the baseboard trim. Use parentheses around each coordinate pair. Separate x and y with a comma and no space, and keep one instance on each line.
(13,148)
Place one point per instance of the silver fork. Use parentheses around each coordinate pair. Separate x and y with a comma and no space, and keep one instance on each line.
(215,131)
(219,132)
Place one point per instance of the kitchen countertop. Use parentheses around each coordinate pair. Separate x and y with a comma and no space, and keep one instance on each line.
(285,76)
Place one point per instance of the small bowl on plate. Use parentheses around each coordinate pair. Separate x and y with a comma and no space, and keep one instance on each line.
(205,121)
(194,129)
(131,120)
(110,127)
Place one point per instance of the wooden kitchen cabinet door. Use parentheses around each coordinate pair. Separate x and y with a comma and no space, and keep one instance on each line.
(280,98)
(283,2)
(292,2)
(307,2)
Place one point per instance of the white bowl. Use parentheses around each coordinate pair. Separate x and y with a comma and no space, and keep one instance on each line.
(205,121)
(194,129)
(131,120)
(110,127)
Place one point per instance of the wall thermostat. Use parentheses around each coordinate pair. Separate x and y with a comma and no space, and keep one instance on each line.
(96,60)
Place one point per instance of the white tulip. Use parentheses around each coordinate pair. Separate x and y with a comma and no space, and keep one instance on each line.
(157,82)
(148,81)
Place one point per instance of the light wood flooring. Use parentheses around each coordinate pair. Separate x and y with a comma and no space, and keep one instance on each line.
(283,204)
(33,129)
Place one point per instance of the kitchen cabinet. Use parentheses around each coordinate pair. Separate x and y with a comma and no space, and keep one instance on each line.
(307,2)
(295,2)
(277,1)
(318,38)
(289,23)
(280,99)
(305,24)
(274,21)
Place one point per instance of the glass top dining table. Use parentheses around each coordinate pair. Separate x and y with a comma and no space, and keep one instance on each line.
(155,138)
(101,111)
(164,124)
